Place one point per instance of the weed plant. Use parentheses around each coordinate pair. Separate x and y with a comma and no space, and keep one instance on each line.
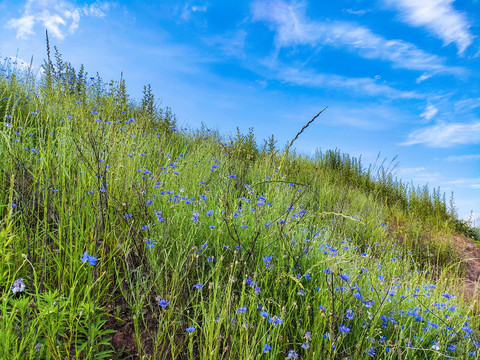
(123,236)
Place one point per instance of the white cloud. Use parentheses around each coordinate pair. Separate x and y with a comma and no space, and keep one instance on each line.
(292,28)
(199,8)
(439,17)
(358,12)
(423,77)
(58,17)
(232,44)
(468,104)
(188,9)
(361,86)
(445,135)
(463,158)
(429,112)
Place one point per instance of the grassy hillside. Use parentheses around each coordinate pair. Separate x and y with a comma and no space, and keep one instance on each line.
(123,237)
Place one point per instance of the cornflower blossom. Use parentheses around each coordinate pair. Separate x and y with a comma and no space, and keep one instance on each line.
(357,296)
(371,352)
(292,354)
(92,260)
(163,303)
(266,348)
(18,286)
(190,329)
(344,329)
(198,286)
(150,244)
(349,315)
(195,216)
(368,303)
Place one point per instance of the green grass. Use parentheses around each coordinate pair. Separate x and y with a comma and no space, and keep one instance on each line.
(252,249)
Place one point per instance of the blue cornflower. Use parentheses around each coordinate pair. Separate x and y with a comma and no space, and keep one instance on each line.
(210,259)
(368,303)
(198,286)
(92,260)
(343,277)
(264,313)
(452,347)
(344,329)
(349,315)
(18,286)
(242,310)
(292,354)
(212,226)
(371,352)
(163,303)
(195,216)
(357,296)
(150,244)
(190,329)
(210,212)
(305,345)
(266,348)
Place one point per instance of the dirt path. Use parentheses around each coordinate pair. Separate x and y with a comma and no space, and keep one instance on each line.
(469,252)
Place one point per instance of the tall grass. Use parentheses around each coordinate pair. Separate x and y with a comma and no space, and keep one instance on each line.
(125,237)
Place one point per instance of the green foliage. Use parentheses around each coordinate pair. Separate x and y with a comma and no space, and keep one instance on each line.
(244,147)
(186,237)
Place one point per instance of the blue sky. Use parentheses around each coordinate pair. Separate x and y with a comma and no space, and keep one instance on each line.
(399,77)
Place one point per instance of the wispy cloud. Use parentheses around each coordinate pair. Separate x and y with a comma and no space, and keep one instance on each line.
(423,77)
(445,135)
(359,12)
(232,44)
(430,112)
(463,158)
(58,17)
(293,27)
(439,17)
(189,9)
(360,86)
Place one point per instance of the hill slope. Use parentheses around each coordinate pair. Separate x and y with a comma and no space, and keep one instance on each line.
(123,237)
